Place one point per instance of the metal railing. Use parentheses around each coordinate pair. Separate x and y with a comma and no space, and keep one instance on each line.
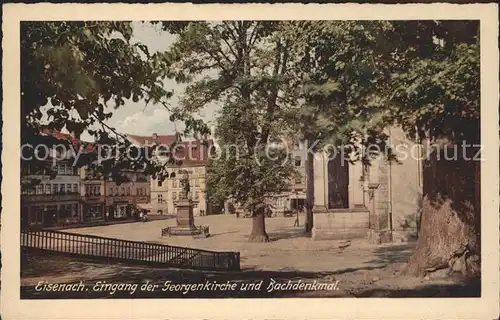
(125,250)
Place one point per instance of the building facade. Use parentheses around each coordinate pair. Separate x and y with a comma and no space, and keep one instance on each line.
(191,157)
(382,200)
(122,201)
(52,201)
(294,197)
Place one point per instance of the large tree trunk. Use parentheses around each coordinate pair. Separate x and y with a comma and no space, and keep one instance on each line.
(450,223)
(258,233)
(309,191)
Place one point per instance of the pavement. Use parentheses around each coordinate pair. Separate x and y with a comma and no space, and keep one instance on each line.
(289,249)
(355,268)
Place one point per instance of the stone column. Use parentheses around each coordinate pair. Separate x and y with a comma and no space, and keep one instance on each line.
(320,181)
(378,189)
(355,188)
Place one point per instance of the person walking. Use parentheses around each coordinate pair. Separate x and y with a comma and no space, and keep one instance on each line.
(296,223)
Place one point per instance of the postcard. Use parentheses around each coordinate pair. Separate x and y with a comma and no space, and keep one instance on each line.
(250,161)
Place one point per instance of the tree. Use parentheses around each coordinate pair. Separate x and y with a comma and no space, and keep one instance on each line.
(360,77)
(73,74)
(436,97)
(242,65)
(338,84)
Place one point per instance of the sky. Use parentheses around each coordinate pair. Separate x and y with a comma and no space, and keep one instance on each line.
(139,118)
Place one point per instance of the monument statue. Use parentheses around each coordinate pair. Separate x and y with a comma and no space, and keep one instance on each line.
(185,218)
(185,186)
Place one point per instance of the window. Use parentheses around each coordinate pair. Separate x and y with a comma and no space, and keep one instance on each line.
(116,191)
(298,180)
(69,170)
(160,198)
(37,214)
(197,182)
(61,169)
(174,195)
(68,188)
(160,212)
(65,210)
(75,171)
(128,191)
(75,188)
(160,182)
(176,183)
(47,189)
(110,191)
(74,210)
(39,189)
(123,191)
(298,161)
(196,195)
(62,188)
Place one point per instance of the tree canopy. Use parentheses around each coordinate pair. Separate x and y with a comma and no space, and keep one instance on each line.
(73,75)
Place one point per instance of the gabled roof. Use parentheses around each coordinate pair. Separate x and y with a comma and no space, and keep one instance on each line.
(198,156)
(148,140)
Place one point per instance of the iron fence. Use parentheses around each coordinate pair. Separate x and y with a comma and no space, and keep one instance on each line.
(125,250)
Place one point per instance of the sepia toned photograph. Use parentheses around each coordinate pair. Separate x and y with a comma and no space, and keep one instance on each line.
(264,158)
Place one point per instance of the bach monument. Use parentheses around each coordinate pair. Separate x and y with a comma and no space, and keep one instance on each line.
(185,219)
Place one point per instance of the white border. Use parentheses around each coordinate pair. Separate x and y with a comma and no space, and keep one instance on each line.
(373,308)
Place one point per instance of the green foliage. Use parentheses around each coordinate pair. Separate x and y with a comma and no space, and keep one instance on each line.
(80,72)
(436,93)
(355,78)
(242,66)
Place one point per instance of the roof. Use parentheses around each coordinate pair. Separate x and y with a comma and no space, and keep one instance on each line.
(198,156)
(59,135)
(148,140)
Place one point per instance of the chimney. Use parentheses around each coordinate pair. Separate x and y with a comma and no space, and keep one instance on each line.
(155,137)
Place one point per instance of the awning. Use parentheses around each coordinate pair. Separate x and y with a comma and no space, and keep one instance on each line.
(144,206)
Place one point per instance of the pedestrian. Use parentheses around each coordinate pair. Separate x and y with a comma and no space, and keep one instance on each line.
(296,223)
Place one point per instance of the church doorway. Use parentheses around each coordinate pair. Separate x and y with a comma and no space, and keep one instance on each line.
(338,183)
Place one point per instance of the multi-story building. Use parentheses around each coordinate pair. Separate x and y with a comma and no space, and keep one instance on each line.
(192,157)
(122,200)
(92,198)
(54,200)
(294,196)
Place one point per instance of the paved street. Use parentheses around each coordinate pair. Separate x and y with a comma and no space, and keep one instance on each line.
(289,249)
(362,269)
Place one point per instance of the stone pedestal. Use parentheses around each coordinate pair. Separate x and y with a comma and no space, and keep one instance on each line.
(185,218)
(185,222)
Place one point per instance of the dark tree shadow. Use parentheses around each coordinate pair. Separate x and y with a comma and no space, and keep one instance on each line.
(288,233)
(468,288)
(393,254)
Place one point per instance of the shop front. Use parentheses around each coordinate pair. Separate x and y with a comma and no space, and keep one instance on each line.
(122,208)
(93,212)
(49,211)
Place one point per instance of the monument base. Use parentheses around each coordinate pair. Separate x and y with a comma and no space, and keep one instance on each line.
(186,231)
(185,222)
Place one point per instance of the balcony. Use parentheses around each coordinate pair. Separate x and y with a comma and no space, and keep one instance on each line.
(93,198)
(50,197)
(142,199)
(112,199)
